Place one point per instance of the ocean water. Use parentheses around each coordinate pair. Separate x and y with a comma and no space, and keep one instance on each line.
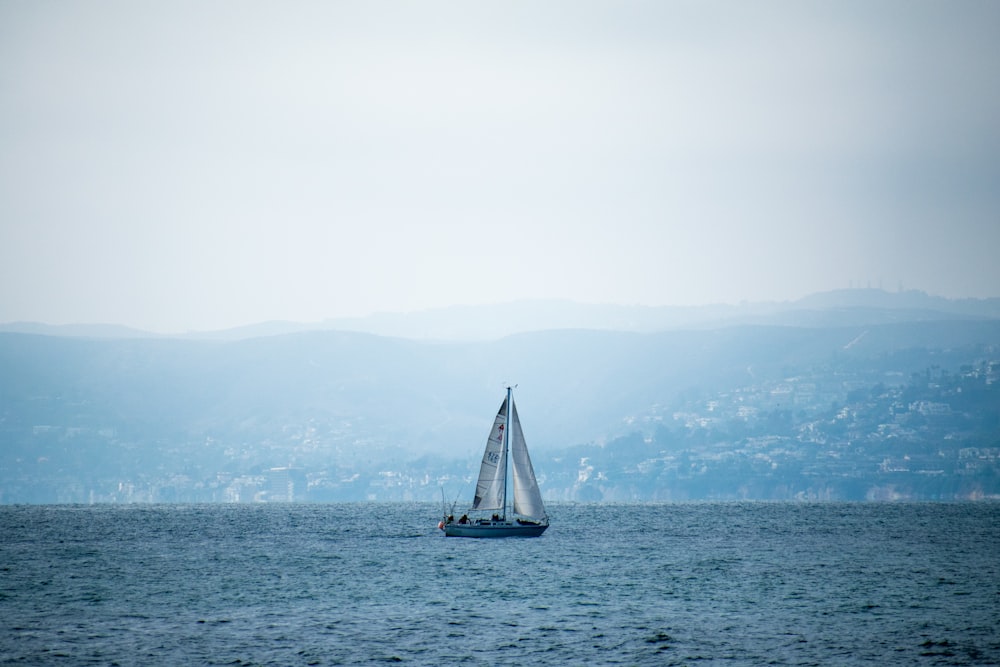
(669,584)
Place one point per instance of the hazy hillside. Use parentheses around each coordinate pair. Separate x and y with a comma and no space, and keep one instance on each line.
(356,413)
(853,307)
(424,396)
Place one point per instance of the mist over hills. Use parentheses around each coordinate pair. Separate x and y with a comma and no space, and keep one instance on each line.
(826,309)
(359,416)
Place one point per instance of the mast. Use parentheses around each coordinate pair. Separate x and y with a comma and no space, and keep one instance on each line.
(506,446)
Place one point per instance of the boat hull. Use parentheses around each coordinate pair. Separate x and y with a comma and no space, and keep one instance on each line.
(494,529)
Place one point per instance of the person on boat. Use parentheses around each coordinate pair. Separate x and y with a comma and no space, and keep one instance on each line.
(464,519)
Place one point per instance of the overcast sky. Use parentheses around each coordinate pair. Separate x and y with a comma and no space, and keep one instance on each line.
(198,165)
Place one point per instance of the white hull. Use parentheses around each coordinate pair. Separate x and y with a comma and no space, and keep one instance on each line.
(494,529)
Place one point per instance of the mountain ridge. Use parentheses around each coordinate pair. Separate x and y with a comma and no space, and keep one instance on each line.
(491,322)
(177,418)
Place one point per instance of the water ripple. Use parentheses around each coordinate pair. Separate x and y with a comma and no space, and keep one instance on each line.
(739,583)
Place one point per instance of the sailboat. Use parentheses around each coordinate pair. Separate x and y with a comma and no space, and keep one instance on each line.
(527,517)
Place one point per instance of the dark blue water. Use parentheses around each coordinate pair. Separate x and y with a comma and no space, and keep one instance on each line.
(741,584)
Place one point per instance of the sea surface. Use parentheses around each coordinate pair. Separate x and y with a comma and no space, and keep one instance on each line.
(665,584)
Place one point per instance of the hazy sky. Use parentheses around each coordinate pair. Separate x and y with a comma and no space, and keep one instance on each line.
(198,165)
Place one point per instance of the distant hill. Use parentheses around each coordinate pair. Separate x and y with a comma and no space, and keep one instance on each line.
(910,300)
(180,413)
(838,308)
(850,307)
(76,330)
(422,396)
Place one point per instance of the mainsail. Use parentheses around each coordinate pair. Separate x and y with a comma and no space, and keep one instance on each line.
(527,496)
(490,488)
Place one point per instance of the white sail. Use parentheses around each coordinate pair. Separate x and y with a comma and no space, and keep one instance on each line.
(527,496)
(492,473)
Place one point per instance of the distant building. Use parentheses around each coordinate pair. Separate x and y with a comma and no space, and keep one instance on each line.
(285,485)
(930,408)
